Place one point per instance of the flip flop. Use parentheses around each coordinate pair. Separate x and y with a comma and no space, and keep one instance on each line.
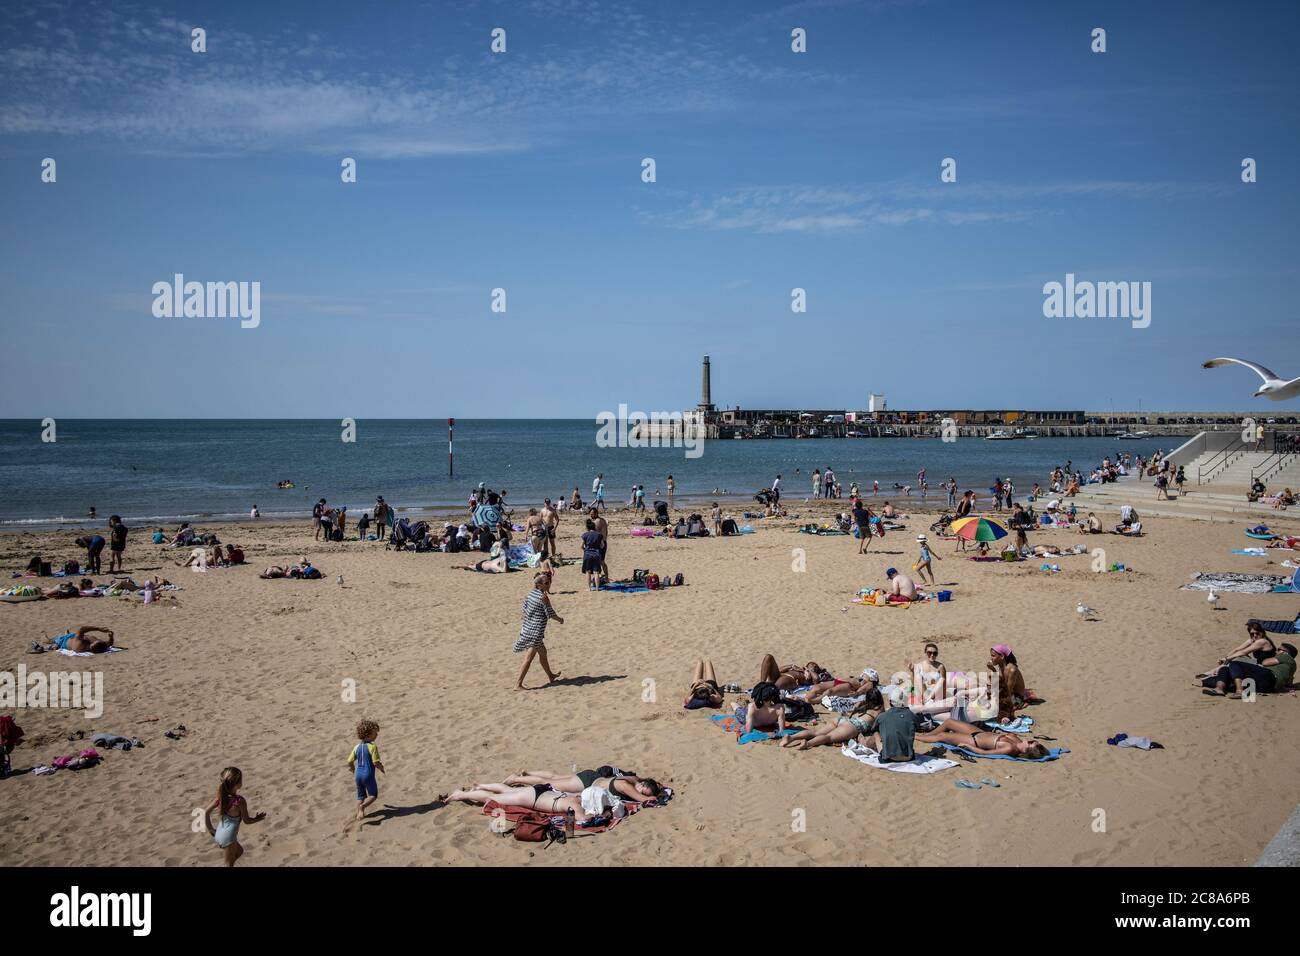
(967,785)
(990,782)
(1211,692)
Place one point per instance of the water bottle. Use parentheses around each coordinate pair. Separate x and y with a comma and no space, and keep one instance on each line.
(569,818)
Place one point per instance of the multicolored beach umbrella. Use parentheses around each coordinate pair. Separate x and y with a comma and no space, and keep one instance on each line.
(978,528)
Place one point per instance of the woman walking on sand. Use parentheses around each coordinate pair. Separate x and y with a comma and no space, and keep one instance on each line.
(532,635)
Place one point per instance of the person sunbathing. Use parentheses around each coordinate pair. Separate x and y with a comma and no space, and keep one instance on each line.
(496,564)
(858,722)
(851,687)
(789,676)
(1271,674)
(988,743)
(930,676)
(80,642)
(765,711)
(622,784)
(890,732)
(128,584)
(1257,645)
(704,691)
(539,796)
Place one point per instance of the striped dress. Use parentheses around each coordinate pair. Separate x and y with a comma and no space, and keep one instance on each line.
(536,613)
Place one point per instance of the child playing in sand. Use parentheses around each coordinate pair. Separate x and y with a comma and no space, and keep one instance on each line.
(363,761)
(234,811)
(922,566)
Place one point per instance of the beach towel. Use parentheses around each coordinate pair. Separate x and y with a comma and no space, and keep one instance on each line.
(730,723)
(1052,754)
(623,587)
(842,705)
(642,532)
(746,529)
(67,653)
(919,764)
(1234,581)
(1253,552)
(1021,725)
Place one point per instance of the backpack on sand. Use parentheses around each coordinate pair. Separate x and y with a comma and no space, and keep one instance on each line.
(537,827)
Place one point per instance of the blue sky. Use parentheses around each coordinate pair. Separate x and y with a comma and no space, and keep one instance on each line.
(775,170)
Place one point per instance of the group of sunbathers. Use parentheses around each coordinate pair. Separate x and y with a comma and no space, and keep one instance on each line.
(882,717)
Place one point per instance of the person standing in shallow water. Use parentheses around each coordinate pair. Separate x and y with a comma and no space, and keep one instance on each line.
(532,635)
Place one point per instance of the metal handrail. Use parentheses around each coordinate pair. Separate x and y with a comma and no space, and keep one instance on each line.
(1269,467)
(1237,447)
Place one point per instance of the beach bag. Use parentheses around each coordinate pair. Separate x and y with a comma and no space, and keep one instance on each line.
(652,582)
(798,710)
(35,564)
(537,828)
(729,526)
(72,568)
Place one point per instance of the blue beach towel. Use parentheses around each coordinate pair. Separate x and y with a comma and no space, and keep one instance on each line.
(1021,725)
(619,587)
(1052,754)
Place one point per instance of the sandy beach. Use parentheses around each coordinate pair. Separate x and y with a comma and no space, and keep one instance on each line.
(257,671)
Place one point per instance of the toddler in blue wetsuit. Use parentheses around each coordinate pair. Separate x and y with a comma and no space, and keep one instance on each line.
(363,761)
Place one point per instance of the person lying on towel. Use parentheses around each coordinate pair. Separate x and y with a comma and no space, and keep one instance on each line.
(987,742)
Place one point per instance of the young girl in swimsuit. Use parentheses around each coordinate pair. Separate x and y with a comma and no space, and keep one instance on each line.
(234,811)
(979,741)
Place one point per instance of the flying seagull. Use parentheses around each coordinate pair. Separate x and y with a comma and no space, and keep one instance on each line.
(1274,387)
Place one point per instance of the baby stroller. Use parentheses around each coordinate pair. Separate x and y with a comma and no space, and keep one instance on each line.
(943,526)
(661,512)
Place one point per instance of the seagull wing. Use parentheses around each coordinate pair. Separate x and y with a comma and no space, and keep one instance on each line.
(1268,375)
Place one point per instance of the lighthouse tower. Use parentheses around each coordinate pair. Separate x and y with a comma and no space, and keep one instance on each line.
(706,398)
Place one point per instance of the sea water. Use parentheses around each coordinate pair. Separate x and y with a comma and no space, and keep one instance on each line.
(156,472)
